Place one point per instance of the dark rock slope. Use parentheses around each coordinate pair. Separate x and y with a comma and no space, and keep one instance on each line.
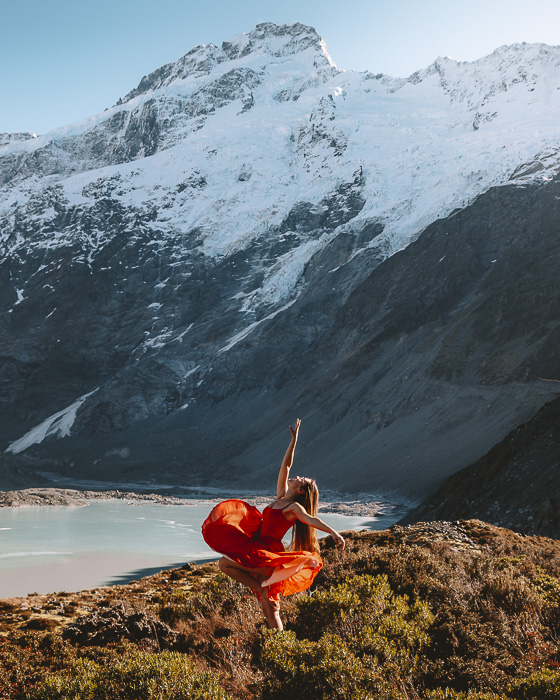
(516,485)
(403,372)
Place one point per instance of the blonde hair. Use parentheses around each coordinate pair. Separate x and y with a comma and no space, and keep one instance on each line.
(304,537)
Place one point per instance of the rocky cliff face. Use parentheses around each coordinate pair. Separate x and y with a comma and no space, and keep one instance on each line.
(251,235)
(516,484)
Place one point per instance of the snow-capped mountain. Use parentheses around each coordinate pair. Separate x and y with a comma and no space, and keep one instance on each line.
(184,272)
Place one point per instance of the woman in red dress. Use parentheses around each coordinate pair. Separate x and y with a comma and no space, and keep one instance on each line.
(251,542)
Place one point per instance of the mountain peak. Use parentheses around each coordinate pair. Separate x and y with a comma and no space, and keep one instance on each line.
(277,40)
(268,39)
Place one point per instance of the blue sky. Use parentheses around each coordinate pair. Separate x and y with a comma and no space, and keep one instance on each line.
(64,60)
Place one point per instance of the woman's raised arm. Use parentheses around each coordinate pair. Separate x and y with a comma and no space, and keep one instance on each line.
(287,462)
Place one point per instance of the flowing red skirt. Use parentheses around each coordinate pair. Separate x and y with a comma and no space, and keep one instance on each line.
(232,529)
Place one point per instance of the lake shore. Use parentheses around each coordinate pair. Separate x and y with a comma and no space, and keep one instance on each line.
(55,496)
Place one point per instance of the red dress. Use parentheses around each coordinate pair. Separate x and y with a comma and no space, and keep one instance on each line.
(241,533)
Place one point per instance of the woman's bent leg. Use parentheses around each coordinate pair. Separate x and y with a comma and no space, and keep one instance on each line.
(252,578)
(239,573)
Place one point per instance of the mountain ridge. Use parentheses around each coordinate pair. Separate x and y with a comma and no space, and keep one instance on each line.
(195,261)
(201,59)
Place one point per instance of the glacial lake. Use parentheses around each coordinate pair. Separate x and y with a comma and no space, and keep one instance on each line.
(46,549)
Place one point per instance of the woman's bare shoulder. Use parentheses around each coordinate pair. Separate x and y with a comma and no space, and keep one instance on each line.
(295,508)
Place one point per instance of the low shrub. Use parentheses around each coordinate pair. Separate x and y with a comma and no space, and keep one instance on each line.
(142,676)
(421,620)
(323,670)
(371,618)
(192,605)
(548,587)
(359,639)
(448,694)
(41,623)
(25,658)
(542,685)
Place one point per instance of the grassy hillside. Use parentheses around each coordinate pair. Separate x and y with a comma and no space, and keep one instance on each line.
(434,610)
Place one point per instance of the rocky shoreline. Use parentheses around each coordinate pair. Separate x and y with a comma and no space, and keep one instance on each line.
(49,496)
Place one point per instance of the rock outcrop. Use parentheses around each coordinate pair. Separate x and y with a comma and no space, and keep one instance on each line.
(116,623)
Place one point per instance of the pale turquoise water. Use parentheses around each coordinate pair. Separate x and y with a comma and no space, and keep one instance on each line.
(48,549)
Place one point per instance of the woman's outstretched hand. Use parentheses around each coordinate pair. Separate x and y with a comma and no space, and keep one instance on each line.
(295,430)
(339,540)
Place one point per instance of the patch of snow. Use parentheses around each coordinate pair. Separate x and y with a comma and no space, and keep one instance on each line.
(247,331)
(158,341)
(182,335)
(60,423)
